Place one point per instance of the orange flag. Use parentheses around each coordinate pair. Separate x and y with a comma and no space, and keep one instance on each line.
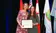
(21,4)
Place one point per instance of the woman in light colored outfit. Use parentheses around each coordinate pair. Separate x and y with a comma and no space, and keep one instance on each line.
(22,15)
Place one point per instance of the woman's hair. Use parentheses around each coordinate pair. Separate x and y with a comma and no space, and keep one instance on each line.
(34,13)
(23,6)
(25,3)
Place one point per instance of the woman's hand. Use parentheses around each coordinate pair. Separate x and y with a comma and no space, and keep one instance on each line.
(21,26)
(35,24)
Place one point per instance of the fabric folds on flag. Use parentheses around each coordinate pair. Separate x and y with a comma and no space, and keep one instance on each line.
(30,3)
(21,4)
(53,13)
(37,12)
(47,19)
(37,7)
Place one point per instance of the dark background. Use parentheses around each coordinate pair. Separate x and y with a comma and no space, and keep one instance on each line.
(11,9)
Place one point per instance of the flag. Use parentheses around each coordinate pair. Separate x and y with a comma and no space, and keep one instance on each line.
(38,27)
(21,4)
(53,13)
(30,3)
(47,17)
(37,9)
(37,12)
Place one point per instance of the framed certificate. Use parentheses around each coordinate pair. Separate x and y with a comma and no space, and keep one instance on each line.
(27,24)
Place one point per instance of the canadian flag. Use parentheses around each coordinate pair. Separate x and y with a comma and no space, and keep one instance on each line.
(37,7)
(21,4)
(37,12)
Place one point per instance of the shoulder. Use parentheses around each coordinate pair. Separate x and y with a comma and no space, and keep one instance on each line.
(21,11)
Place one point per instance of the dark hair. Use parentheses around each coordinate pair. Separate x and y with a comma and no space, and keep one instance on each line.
(34,14)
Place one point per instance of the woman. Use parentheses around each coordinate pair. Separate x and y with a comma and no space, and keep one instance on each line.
(32,16)
(22,15)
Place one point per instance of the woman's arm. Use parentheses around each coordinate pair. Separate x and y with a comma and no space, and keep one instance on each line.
(19,19)
(19,23)
(37,20)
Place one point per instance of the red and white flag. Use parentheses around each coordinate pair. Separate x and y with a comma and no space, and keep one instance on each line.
(37,12)
(37,7)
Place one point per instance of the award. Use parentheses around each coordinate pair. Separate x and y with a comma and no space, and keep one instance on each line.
(27,24)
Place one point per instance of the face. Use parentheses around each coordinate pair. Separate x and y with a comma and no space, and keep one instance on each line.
(25,6)
(32,9)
